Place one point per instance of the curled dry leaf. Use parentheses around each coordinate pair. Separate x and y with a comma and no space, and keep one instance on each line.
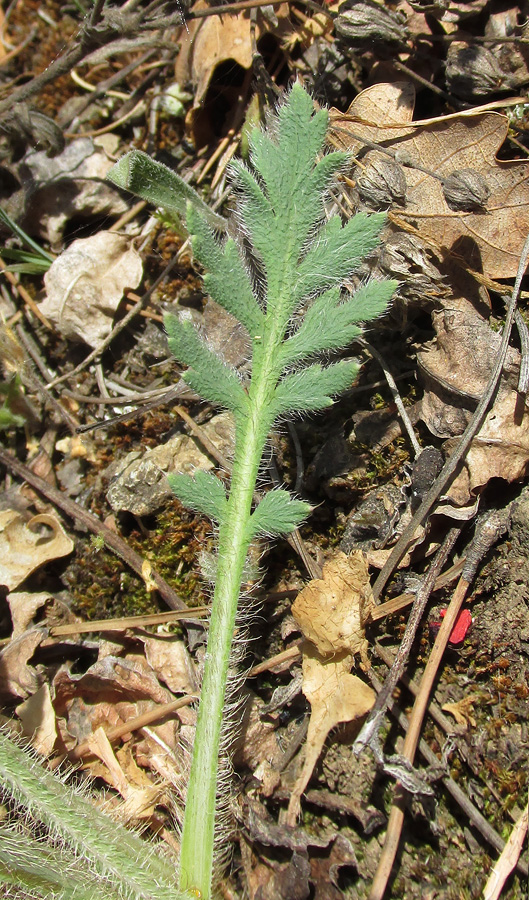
(85,285)
(22,606)
(19,679)
(335,696)
(209,43)
(488,238)
(23,549)
(332,611)
(455,368)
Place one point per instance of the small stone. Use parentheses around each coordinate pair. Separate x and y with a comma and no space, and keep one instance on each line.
(139,485)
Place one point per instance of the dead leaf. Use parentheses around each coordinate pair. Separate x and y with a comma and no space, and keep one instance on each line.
(213,40)
(210,43)
(455,369)
(489,239)
(335,696)
(169,657)
(23,549)
(85,285)
(38,720)
(138,791)
(461,711)
(23,605)
(69,184)
(499,450)
(17,677)
(332,611)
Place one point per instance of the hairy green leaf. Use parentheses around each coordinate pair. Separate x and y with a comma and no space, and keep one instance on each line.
(336,252)
(207,373)
(331,325)
(158,184)
(227,282)
(278,513)
(313,388)
(202,492)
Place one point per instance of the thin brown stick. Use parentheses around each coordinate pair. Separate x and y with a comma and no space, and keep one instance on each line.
(508,859)
(125,622)
(27,298)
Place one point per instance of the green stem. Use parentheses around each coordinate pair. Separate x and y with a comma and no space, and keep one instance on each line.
(197,846)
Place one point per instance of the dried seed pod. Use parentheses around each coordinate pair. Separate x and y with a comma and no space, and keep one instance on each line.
(365,21)
(473,71)
(466,190)
(382,182)
(406,258)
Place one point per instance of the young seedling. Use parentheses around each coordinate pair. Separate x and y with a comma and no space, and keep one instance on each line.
(299,260)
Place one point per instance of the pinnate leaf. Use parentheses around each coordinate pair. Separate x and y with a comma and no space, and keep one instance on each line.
(329,325)
(202,492)
(278,513)
(337,251)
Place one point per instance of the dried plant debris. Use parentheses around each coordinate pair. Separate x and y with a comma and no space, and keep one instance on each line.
(483,220)
(332,612)
(27,545)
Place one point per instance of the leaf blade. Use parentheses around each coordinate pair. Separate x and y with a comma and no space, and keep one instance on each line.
(202,492)
(312,388)
(278,513)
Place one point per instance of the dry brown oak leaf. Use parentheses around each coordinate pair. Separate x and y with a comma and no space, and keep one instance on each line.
(489,239)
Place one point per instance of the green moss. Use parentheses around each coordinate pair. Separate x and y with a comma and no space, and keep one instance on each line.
(102,586)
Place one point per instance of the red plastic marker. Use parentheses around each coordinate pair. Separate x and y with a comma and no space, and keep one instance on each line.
(462,624)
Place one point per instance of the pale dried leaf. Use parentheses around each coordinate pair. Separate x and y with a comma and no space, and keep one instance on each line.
(335,696)
(489,239)
(68,185)
(332,611)
(23,605)
(19,679)
(85,285)
(23,549)
(138,792)
(38,720)
(169,657)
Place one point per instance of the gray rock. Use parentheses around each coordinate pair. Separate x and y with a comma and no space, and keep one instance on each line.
(139,485)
